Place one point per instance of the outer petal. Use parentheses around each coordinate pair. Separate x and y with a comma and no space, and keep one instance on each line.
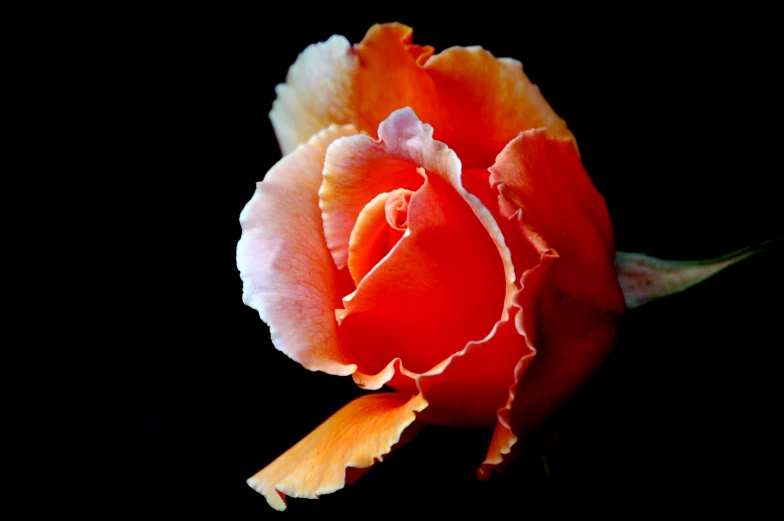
(476,102)
(286,269)
(316,93)
(356,436)
(447,281)
(545,178)
(485,102)
(528,300)
(570,302)
(572,338)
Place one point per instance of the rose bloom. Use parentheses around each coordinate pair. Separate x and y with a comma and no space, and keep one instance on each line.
(430,228)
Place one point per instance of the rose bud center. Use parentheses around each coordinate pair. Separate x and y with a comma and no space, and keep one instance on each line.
(396,209)
(379,227)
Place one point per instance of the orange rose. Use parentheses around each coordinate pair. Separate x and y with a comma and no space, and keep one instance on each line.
(463,258)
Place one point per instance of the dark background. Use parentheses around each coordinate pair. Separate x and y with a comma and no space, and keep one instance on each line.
(673,117)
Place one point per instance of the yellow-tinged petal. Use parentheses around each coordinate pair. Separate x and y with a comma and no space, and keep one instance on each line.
(356,436)
(315,93)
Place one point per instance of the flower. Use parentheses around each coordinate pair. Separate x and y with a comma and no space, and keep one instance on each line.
(463,258)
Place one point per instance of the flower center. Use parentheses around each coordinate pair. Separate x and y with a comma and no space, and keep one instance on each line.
(396,209)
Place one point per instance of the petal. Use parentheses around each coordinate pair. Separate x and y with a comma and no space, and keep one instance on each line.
(355,172)
(475,383)
(570,337)
(485,102)
(317,93)
(528,301)
(544,177)
(372,237)
(477,103)
(447,280)
(355,437)
(524,255)
(286,269)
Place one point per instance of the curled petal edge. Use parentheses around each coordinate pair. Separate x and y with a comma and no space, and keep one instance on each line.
(504,438)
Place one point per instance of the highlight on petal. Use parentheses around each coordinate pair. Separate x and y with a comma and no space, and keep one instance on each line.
(355,437)
(477,103)
(286,269)
(544,177)
(448,279)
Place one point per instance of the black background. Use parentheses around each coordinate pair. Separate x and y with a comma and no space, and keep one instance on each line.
(673,117)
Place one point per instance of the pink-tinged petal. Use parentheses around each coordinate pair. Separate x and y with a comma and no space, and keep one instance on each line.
(355,437)
(544,177)
(317,93)
(476,102)
(286,269)
(447,281)
(350,185)
(373,234)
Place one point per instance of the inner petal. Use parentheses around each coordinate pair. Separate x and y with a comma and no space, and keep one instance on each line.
(442,286)
(379,227)
(396,209)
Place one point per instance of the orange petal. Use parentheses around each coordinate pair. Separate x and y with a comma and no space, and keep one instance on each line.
(447,281)
(544,177)
(484,102)
(355,437)
(286,269)
(477,103)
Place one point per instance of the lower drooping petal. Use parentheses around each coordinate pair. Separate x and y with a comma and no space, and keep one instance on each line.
(286,269)
(447,280)
(355,437)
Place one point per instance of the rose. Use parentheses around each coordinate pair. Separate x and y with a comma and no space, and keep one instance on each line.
(472,273)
